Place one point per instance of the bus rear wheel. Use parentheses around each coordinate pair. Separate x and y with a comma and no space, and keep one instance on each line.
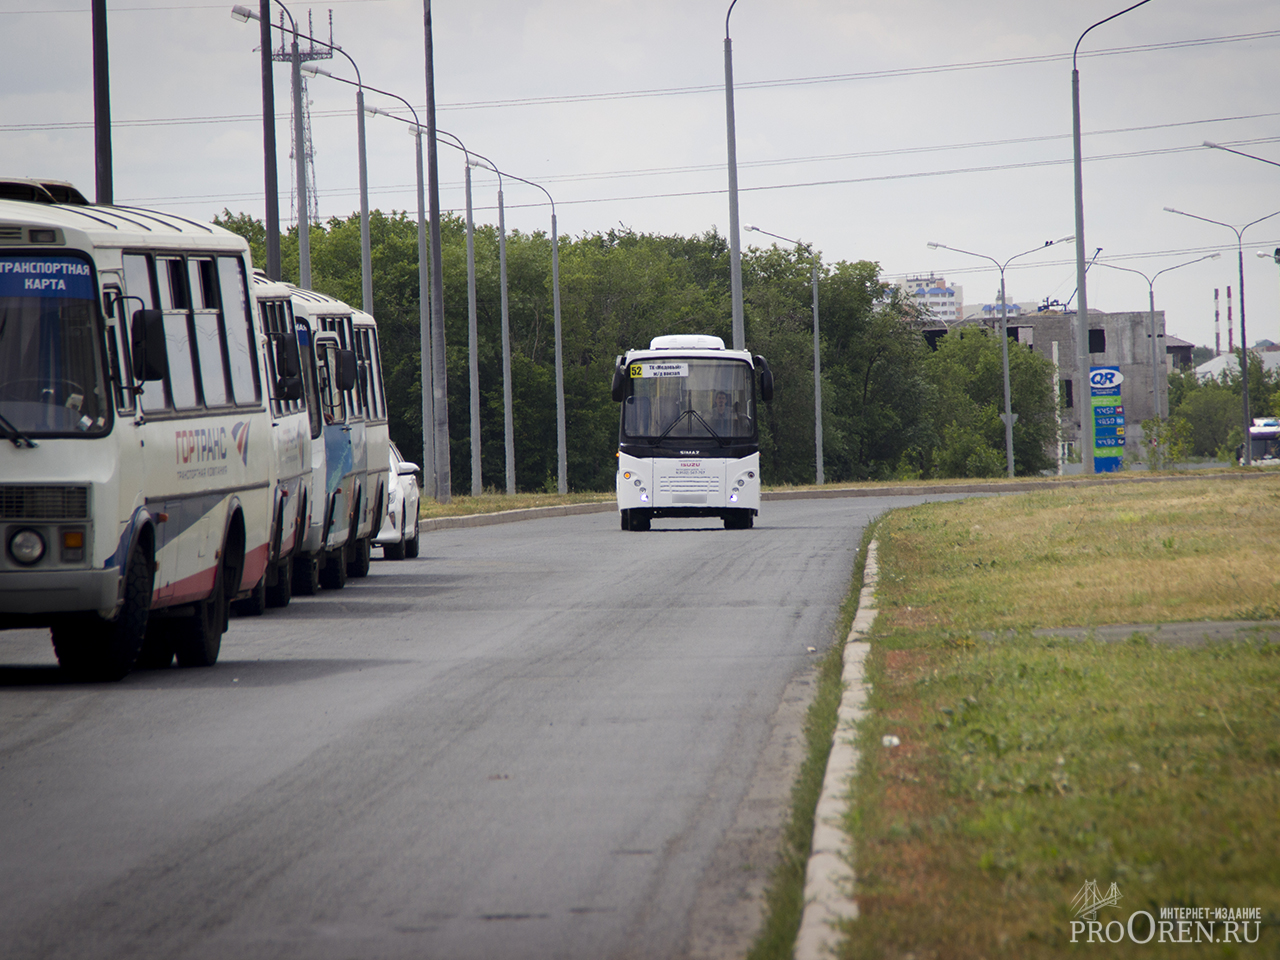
(198,639)
(358,557)
(306,576)
(279,593)
(333,571)
(738,519)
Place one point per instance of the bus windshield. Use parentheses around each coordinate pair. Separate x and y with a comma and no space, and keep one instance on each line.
(690,397)
(51,376)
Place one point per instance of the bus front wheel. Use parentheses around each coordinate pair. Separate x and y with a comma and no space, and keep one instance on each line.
(637,519)
(91,648)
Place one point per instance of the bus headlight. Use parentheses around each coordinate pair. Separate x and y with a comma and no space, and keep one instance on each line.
(26,547)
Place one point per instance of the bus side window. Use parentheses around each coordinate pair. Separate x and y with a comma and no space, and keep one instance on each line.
(241,349)
(375,367)
(310,392)
(175,302)
(208,335)
(139,288)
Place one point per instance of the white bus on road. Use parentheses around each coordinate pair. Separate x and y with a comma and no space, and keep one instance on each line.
(136,477)
(689,440)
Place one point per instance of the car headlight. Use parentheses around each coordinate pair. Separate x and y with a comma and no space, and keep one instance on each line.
(26,547)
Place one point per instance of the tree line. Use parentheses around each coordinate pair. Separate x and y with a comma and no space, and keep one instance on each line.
(892,407)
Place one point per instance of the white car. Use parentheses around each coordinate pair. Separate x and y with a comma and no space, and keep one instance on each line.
(399,534)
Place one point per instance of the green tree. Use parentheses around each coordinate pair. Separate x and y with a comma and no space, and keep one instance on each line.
(967,372)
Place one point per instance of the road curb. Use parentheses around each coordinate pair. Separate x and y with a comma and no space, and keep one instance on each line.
(829,877)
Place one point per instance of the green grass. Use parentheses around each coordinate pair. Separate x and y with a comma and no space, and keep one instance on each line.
(1029,765)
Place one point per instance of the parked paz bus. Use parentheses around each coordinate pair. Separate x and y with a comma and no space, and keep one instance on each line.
(689,441)
(142,473)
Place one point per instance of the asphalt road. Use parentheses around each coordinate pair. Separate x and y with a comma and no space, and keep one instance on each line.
(532,742)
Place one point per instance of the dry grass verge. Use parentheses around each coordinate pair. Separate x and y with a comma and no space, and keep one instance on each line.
(1029,766)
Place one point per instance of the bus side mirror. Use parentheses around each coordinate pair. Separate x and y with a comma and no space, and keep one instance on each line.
(346,369)
(147,346)
(766,379)
(619,387)
(288,367)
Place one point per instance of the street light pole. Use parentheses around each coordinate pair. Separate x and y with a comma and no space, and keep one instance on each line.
(1238,153)
(366,256)
(817,360)
(1244,343)
(1159,406)
(508,419)
(426,367)
(1082,300)
(271,183)
(244,14)
(735,251)
(439,385)
(1008,415)
(473,335)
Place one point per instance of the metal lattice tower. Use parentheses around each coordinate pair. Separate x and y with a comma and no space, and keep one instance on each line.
(285,55)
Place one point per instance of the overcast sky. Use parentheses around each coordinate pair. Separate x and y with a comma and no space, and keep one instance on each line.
(865,128)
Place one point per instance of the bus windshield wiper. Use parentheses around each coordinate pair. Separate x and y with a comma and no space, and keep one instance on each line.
(14,435)
(689,413)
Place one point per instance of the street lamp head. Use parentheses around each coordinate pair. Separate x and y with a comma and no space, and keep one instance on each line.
(932,245)
(242,13)
(750,227)
(1171,210)
(1210,143)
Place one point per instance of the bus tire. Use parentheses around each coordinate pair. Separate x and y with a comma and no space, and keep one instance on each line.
(411,543)
(254,605)
(738,520)
(333,571)
(639,519)
(91,648)
(198,639)
(157,648)
(306,576)
(279,594)
(358,557)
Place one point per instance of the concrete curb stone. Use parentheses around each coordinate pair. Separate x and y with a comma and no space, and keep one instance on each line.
(829,877)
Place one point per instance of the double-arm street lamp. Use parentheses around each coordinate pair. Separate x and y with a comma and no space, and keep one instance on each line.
(366,257)
(562,483)
(1244,343)
(429,451)
(1159,406)
(1007,416)
(817,362)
